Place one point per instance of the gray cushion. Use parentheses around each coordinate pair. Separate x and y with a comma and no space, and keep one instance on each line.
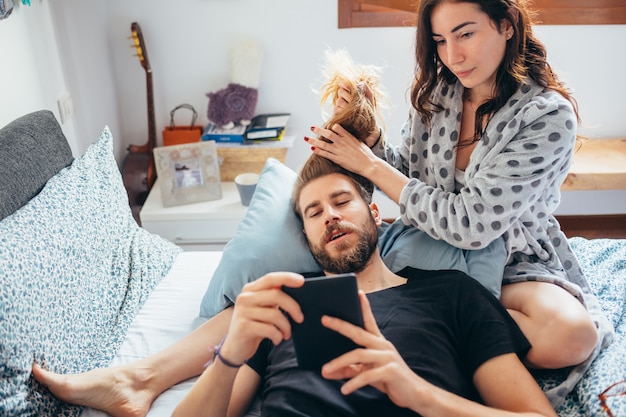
(32,150)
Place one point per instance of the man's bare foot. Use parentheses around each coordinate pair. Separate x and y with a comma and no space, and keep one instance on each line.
(119,391)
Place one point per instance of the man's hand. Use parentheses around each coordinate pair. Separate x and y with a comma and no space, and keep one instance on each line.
(258,314)
(377,364)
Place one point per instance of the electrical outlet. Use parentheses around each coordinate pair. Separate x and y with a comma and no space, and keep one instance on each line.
(66,107)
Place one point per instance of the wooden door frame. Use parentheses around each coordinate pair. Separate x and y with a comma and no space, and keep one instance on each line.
(400,13)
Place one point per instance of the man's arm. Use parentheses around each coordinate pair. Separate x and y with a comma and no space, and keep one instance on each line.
(506,386)
(220,391)
(505,383)
(225,388)
(507,389)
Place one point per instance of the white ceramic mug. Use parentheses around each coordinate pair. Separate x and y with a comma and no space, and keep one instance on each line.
(246,184)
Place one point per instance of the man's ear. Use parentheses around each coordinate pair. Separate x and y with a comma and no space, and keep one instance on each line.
(376,214)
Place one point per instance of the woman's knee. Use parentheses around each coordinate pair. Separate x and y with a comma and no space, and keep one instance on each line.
(557,325)
(570,339)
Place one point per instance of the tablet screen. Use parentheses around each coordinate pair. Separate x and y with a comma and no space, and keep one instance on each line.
(335,296)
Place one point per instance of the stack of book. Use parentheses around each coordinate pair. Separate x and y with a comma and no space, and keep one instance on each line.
(263,127)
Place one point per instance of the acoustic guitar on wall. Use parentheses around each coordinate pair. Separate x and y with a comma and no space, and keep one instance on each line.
(138,170)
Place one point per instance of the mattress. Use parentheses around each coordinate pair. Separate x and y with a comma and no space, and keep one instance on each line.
(170,313)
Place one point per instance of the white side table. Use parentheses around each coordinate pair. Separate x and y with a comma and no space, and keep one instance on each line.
(207,225)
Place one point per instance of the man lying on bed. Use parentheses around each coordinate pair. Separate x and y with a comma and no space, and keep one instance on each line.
(442,346)
(129,390)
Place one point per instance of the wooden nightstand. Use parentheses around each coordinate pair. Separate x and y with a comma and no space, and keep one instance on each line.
(207,225)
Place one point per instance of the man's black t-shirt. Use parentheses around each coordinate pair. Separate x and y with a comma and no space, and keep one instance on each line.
(443,323)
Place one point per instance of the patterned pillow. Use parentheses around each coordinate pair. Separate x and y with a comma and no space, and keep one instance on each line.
(74,270)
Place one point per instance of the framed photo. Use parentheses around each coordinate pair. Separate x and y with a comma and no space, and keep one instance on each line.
(188,173)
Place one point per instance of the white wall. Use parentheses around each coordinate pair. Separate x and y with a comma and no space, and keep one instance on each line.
(189,46)
(31,75)
(188,43)
(81,30)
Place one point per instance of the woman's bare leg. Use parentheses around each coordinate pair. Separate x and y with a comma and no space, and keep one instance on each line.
(129,390)
(557,325)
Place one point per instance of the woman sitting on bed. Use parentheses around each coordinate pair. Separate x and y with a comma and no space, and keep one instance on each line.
(488,143)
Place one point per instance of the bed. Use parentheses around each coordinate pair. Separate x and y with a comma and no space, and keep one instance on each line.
(161,321)
(57,258)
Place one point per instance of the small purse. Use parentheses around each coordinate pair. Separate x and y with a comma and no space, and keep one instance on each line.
(177,135)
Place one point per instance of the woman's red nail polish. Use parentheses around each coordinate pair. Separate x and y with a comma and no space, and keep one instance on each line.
(312,148)
(306,139)
(312,127)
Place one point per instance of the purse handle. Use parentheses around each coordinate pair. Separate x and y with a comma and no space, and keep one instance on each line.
(184,106)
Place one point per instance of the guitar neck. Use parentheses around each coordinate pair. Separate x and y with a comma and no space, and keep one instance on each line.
(151,117)
(142,54)
(151,142)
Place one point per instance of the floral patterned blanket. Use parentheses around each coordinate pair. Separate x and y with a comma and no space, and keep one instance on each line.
(604,263)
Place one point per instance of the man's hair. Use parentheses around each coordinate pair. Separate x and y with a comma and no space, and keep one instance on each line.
(316,167)
(359,119)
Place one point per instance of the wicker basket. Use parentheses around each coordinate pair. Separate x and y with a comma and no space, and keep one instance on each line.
(235,160)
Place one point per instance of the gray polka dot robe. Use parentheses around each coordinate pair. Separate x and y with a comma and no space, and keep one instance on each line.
(512,187)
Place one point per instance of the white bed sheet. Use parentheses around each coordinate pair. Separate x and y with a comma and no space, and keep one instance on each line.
(170,313)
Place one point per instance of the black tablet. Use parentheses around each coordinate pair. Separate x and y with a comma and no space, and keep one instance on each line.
(335,296)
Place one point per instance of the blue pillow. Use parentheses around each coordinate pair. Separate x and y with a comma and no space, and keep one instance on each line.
(270,238)
(401,246)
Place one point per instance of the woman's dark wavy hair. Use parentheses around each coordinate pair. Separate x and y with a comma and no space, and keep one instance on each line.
(525,56)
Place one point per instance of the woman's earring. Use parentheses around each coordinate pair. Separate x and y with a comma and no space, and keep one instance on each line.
(509,35)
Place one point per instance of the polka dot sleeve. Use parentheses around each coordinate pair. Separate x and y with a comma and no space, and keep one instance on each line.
(512,179)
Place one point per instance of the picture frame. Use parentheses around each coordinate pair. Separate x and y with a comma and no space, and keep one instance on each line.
(188,173)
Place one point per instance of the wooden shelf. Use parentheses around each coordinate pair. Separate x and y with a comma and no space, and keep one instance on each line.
(610,226)
(599,164)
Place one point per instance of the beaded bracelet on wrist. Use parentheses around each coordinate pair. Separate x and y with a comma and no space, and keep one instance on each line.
(217,354)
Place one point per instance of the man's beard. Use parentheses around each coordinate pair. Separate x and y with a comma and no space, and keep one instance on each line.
(353,260)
